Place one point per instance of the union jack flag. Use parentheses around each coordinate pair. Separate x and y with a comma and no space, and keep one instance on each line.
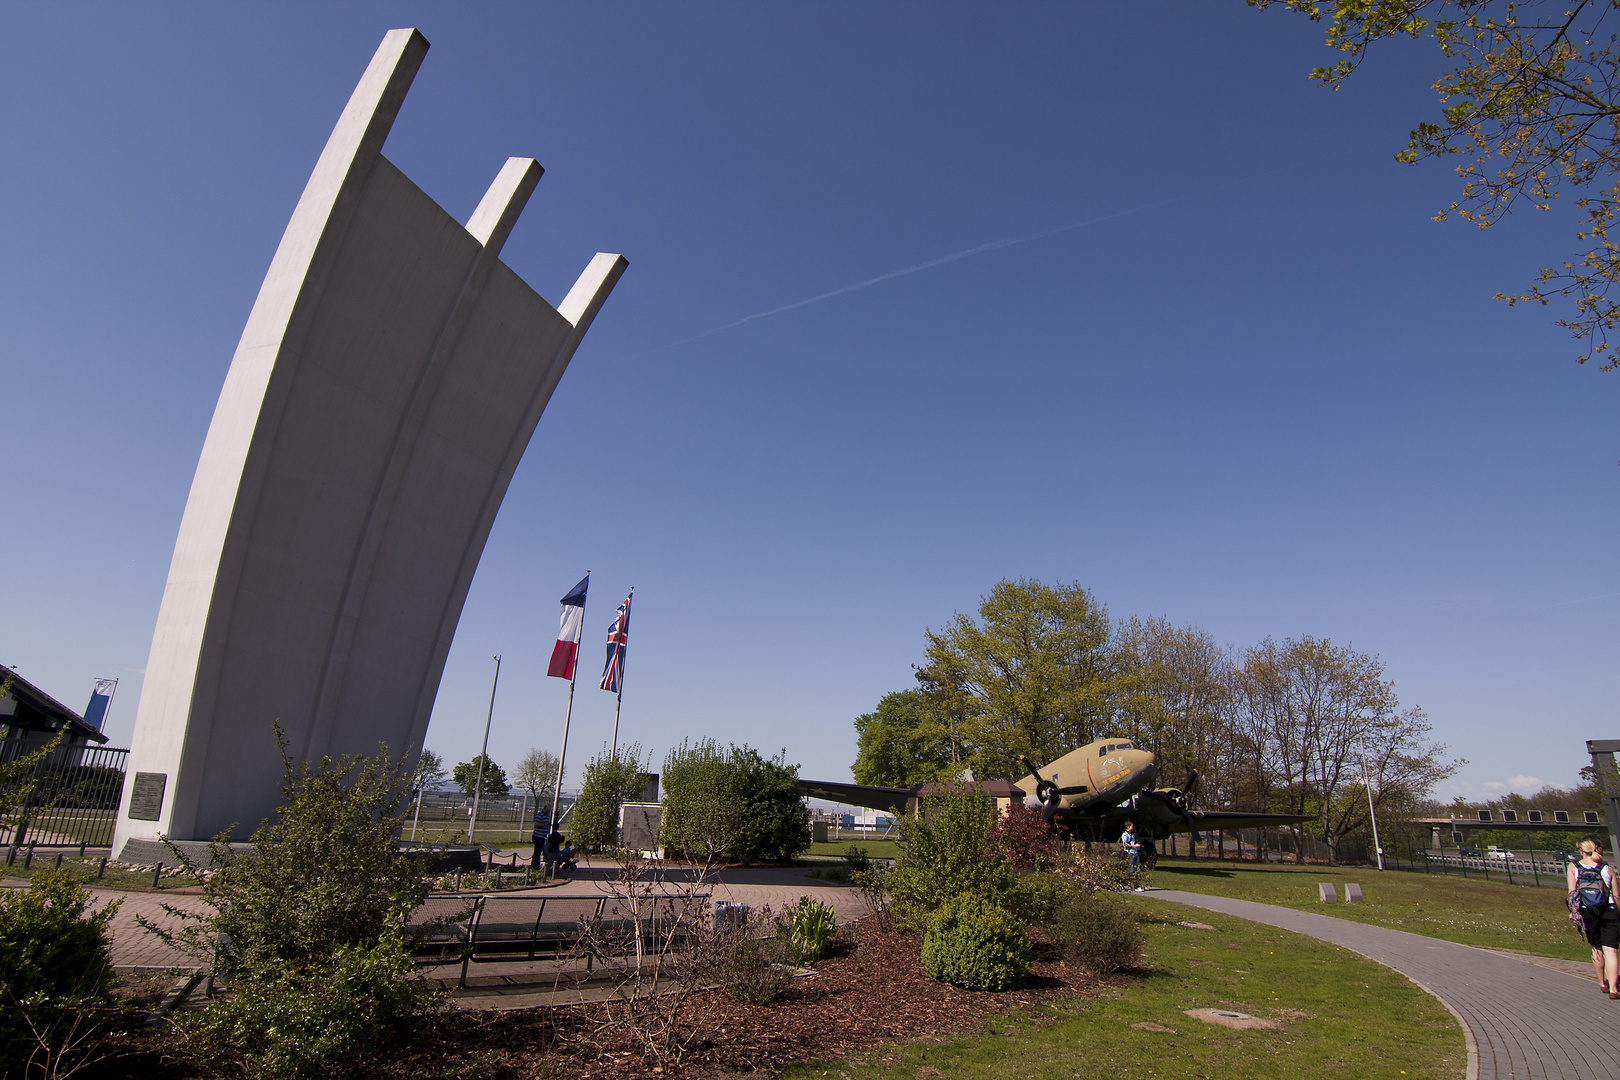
(618,640)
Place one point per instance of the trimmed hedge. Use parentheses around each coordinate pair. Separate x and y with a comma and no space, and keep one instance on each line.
(976,945)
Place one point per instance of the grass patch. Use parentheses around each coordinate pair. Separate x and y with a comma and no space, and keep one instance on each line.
(83,871)
(875,849)
(1341,1015)
(1488,914)
(506,836)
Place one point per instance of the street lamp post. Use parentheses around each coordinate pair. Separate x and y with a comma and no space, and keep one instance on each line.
(1372,810)
(483,755)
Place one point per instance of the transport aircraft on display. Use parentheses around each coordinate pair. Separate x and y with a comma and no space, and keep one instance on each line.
(1108,783)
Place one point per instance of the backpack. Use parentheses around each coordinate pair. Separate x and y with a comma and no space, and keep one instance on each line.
(1592,887)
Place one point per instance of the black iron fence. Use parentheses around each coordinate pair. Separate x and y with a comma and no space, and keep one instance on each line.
(73,800)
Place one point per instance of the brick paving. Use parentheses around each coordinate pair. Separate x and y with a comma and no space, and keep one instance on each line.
(136,950)
(1524,1020)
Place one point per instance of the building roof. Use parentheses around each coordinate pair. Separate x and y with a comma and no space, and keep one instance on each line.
(38,711)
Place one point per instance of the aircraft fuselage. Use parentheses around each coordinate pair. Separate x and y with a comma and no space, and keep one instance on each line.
(1110,770)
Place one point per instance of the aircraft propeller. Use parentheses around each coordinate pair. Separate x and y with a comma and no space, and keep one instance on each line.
(1047,793)
(1177,800)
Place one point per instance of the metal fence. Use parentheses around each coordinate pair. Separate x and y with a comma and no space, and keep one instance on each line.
(69,805)
(1541,868)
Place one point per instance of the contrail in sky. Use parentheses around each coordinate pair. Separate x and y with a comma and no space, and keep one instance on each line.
(994,245)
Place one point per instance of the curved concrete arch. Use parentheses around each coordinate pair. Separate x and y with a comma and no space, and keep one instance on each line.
(385,386)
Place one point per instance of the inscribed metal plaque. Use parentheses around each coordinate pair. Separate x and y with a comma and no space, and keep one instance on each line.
(146,797)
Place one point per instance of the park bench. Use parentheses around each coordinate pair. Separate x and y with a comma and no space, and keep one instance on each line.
(496,929)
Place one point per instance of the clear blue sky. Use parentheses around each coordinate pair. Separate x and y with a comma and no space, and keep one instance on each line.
(1255,388)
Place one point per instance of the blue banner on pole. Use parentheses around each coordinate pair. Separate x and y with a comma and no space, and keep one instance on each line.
(95,713)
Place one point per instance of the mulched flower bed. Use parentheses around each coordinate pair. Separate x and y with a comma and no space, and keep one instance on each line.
(873,992)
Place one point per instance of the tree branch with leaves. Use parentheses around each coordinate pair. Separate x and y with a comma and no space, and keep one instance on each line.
(1530,103)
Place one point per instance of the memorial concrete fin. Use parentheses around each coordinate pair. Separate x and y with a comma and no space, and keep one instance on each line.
(383,391)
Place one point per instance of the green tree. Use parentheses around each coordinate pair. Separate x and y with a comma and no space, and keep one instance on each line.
(732,804)
(465,777)
(1312,710)
(611,779)
(1174,694)
(775,822)
(697,816)
(1529,110)
(537,774)
(948,850)
(1030,676)
(429,771)
(898,746)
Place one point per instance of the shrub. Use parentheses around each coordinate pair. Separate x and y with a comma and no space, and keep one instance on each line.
(1100,933)
(54,970)
(611,779)
(855,859)
(1094,871)
(976,945)
(332,848)
(946,854)
(1023,837)
(309,928)
(874,885)
(810,929)
(750,961)
(328,1017)
(732,804)
(1036,897)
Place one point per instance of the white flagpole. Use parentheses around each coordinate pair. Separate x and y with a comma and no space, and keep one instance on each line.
(556,792)
(623,656)
(483,755)
(568,717)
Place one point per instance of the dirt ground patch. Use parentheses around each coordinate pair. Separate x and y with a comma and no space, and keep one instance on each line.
(871,993)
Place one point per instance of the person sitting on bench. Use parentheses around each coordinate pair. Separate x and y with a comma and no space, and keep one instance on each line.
(565,856)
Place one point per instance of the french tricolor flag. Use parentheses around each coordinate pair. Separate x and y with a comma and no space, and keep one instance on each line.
(566,651)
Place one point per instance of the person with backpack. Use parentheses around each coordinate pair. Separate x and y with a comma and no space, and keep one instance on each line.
(1591,897)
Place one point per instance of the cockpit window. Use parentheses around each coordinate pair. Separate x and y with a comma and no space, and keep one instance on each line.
(1126,746)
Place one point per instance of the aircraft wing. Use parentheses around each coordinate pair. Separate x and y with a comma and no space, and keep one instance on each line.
(1215,820)
(873,798)
(1161,822)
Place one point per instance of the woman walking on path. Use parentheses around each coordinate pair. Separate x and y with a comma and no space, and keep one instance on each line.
(1591,886)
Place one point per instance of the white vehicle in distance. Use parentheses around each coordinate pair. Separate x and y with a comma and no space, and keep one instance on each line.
(1494,852)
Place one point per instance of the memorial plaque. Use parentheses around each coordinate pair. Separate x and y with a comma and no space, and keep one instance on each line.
(146,797)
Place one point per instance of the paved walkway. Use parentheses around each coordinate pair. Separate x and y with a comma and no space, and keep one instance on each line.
(1523,1020)
(136,950)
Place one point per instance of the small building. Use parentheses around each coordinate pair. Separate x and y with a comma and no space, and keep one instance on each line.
(72,794)
(1003,792)
(30,718)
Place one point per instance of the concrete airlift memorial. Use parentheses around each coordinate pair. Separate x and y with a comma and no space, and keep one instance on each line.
(384,389)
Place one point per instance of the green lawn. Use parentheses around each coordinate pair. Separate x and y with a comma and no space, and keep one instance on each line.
(875,849)
(84,871)
(1342,1015)
(1493,914)
(439,832)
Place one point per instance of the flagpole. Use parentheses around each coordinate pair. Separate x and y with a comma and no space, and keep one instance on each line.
(568,717)
(483,755)
(619,702)
(562,758)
